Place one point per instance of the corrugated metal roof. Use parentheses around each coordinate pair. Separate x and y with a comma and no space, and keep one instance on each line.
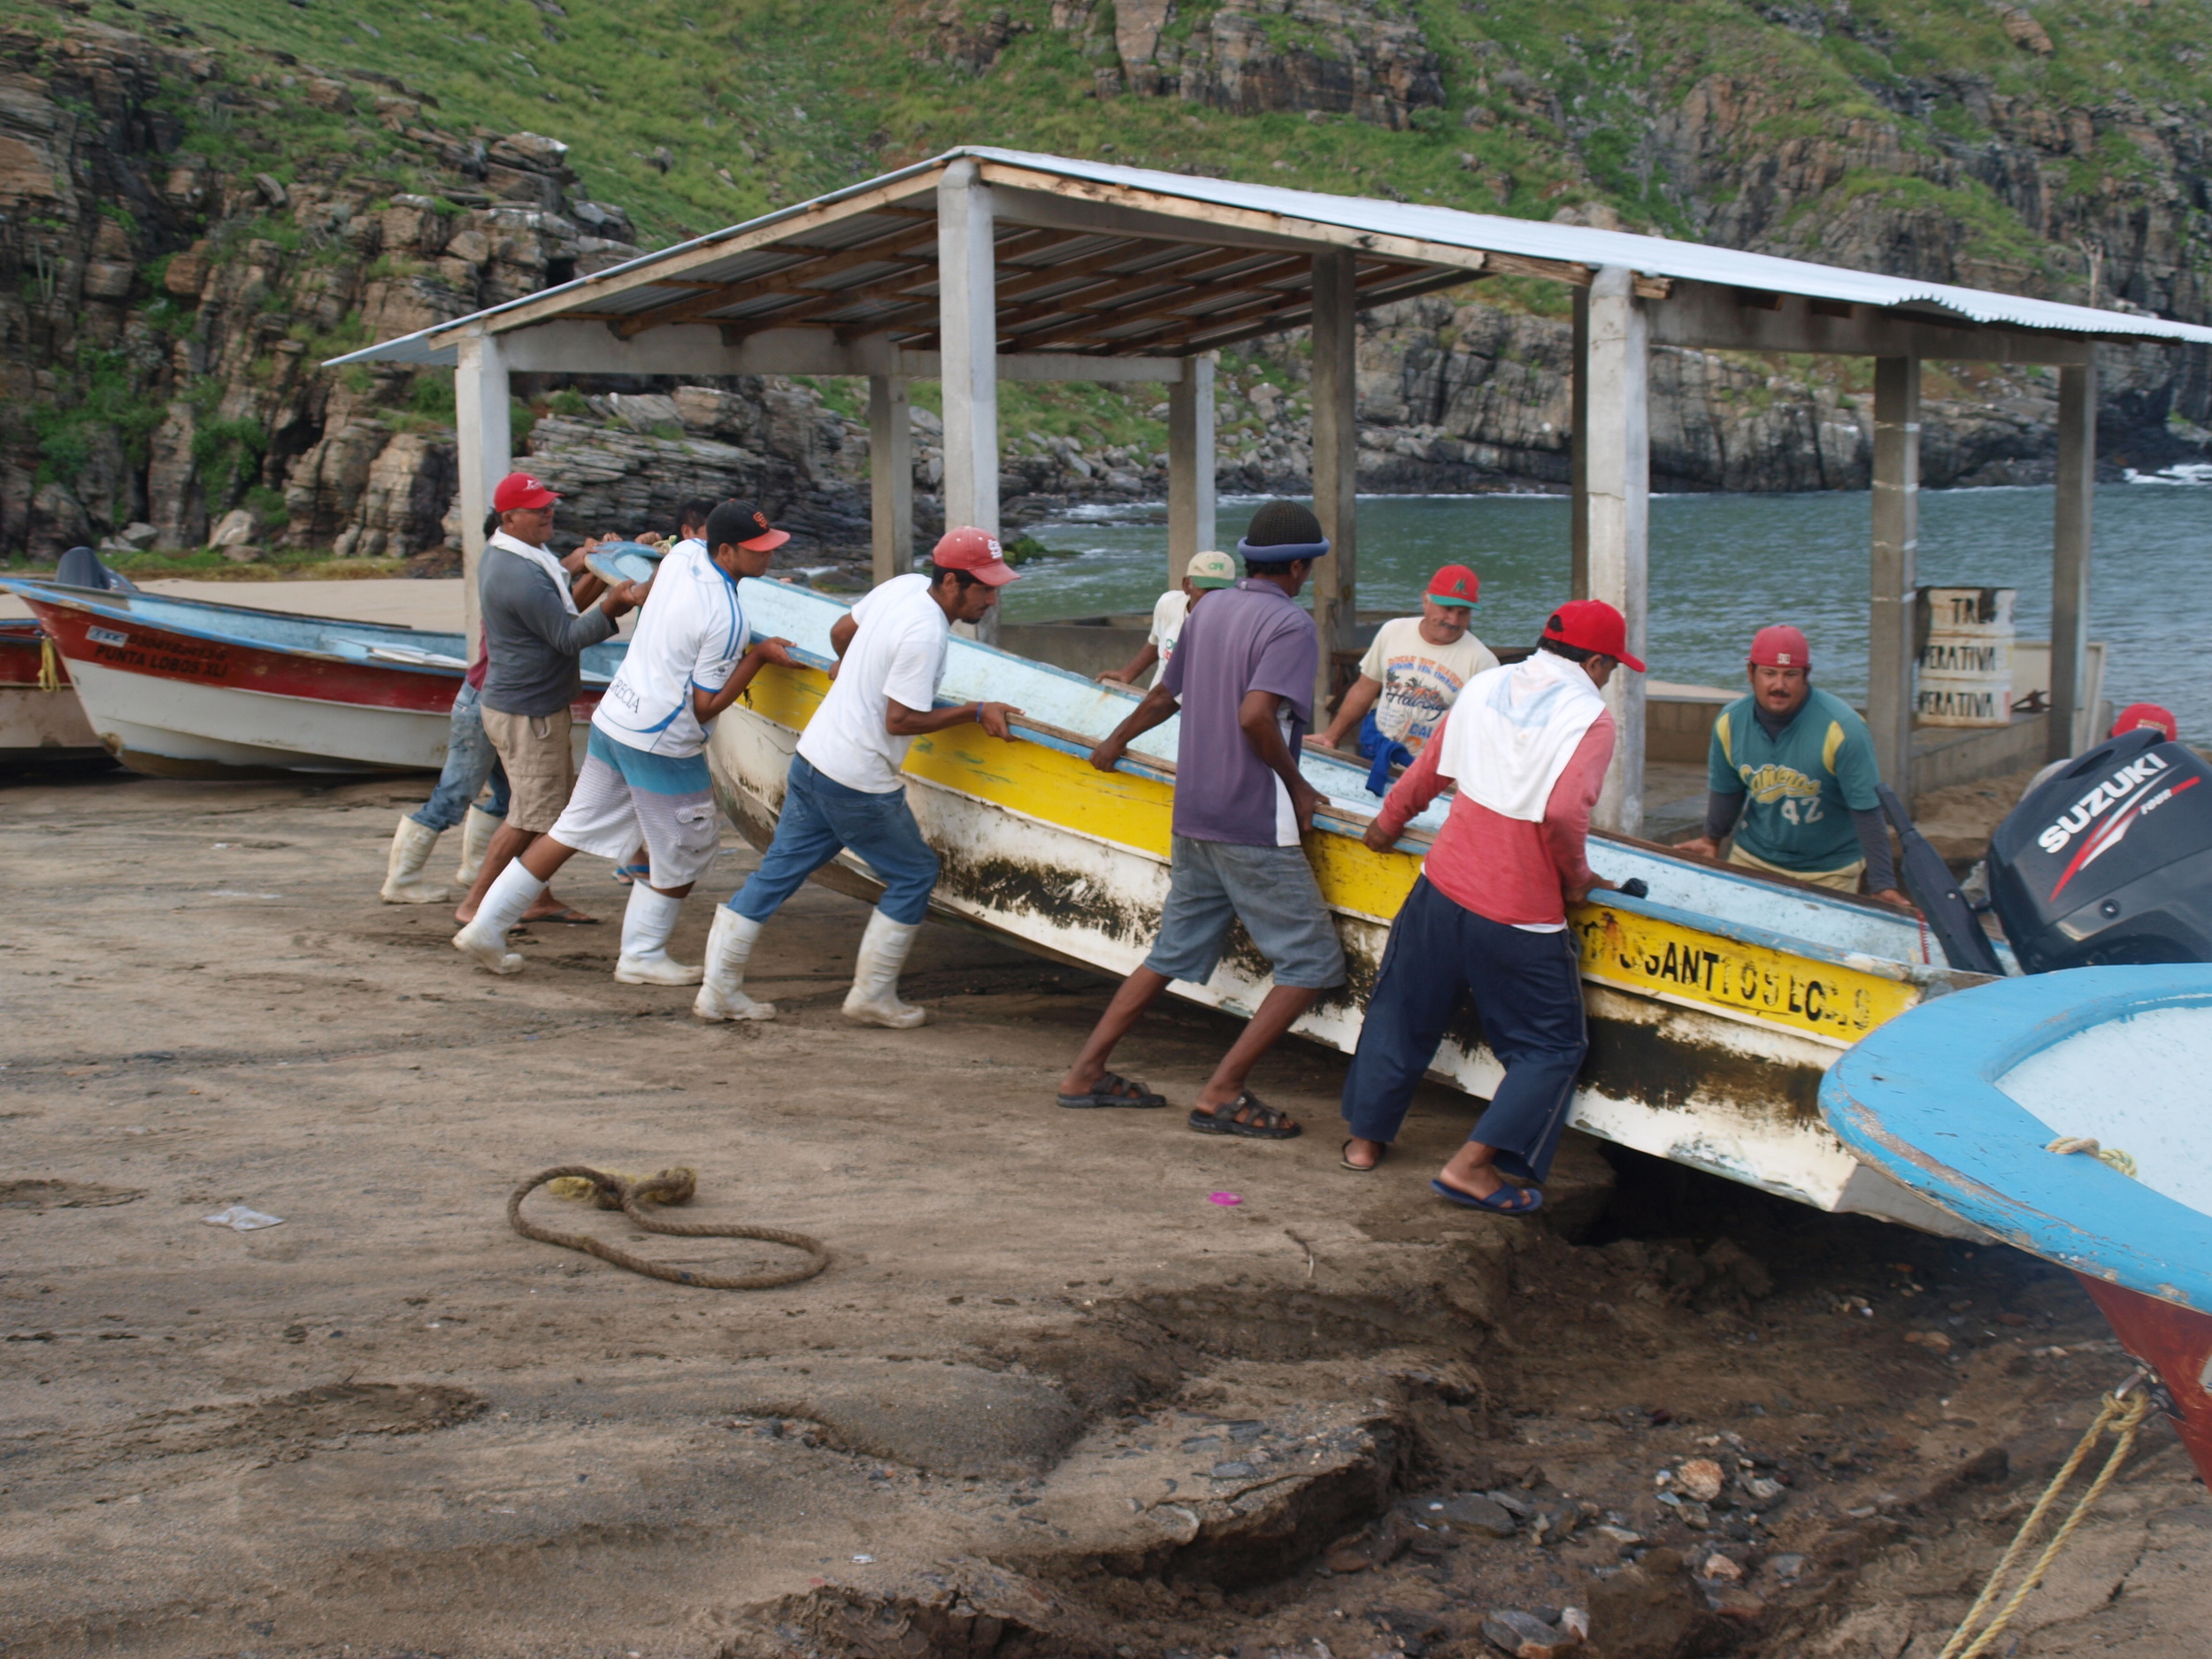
(627,288)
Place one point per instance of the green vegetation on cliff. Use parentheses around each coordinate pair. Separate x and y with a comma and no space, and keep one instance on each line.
(200,205)
(1687,117)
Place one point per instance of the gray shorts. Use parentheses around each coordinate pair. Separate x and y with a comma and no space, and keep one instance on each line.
(1271,890)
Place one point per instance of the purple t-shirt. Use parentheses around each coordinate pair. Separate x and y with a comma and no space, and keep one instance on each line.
(1251,637)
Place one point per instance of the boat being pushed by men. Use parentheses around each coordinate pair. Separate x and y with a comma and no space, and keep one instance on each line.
(1716,1003)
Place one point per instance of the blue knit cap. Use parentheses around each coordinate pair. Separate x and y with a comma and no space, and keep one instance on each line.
(1281,532)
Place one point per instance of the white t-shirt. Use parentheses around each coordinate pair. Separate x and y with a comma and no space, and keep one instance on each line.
(1420,681)
(1169,614)
(897,656)
(690,634)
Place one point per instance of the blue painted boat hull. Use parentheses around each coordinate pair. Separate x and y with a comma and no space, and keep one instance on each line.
(1962,1100)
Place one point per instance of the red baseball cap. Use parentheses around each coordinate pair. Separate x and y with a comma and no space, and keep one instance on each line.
(519,492)
(1780,646)
(1594,626)
(975,552)
(1454,585)
(2140,714)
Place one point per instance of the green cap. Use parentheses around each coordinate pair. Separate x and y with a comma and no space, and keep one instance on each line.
(1211,569)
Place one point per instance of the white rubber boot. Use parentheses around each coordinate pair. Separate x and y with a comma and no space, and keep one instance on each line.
(476,830)
(874,998)
(729,947)
(411,847)
(646,925)
(486,938)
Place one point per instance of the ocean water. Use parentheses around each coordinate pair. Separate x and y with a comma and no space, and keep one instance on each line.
(1722,566)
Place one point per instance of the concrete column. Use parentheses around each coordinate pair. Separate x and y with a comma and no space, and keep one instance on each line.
(484,424)
(1895,575)
(1613,449)
(967,310)
(1579,456)
(890,475)
(2069,561)
(1190,464)
(1336,457)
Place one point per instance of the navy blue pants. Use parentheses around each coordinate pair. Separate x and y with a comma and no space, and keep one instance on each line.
(1528,995)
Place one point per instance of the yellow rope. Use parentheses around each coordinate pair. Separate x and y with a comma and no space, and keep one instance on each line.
(2124,1417)
(48,665)
(2112,1157)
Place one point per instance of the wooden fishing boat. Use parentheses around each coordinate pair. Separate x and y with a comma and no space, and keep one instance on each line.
(42,722)
(1716,1003)
(180,688)
(2056,1113)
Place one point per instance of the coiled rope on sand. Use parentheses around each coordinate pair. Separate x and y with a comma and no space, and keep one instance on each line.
(670,1186)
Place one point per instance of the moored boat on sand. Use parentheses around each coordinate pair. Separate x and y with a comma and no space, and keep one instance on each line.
(180,688)
(1716,1003)
(42,722)
(2064,1114)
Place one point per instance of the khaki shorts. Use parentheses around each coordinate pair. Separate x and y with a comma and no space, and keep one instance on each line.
(1843,880)
(535,749)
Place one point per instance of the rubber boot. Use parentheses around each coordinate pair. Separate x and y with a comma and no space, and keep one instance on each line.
(411,847)
(729,947)
(646,925)
(874,998)
(486,938)
(476,830)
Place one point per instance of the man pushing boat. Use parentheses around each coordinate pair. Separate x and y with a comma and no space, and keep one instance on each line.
(1243,675)
(1409,678)
(1209,573)
(1792,772)
(844,789)
(536,629)
(645,774)
(1528,745)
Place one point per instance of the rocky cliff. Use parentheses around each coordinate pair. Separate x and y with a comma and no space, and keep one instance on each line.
(170,308)
(188,233)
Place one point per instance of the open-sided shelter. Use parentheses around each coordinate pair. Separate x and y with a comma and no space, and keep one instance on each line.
(981,266)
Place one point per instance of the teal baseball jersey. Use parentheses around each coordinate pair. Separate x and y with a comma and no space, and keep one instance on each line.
(1803,783)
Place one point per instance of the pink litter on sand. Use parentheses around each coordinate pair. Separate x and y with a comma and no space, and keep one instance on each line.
(1223,1198)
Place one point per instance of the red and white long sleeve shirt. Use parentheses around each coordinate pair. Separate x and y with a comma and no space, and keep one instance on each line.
(1514,870)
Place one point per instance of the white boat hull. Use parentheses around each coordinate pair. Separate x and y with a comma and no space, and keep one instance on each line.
(37,725)
(1731,1095)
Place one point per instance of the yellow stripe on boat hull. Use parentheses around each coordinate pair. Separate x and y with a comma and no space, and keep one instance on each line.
(1627,951)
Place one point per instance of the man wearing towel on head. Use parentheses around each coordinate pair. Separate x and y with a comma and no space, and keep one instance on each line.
(645,774)
(1528,746)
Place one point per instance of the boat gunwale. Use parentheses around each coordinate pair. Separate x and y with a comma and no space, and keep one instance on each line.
(1921,1079)
(1338,820)
(76,598)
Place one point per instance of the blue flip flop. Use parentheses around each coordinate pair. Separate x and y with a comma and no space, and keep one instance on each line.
(1507,1200)
(627,873)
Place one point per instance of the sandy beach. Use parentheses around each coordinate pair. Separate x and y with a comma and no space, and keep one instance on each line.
(1049,1398)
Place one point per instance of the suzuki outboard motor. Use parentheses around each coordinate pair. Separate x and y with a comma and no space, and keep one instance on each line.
(2108,860)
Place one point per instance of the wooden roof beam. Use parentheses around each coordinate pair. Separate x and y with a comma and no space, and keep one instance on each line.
(824,300)
(1184,259)
(1256,283)
(883,200)
(1172,295)
(897,244)
(1171,303)
(1204,339)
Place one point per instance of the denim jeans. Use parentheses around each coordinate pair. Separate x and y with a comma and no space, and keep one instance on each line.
(821,818)
(469,762)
